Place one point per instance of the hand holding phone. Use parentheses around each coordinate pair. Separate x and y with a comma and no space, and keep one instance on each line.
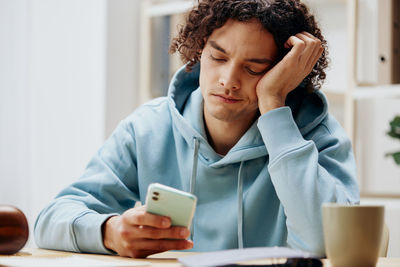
(142,231)
(167,201)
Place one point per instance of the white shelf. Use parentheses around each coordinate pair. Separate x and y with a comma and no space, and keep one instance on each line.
(381,91)
(330,90)
(314,2)
(366,92)
(168,8)
(334,95)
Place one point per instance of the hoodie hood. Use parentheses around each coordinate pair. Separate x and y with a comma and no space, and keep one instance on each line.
(186,106)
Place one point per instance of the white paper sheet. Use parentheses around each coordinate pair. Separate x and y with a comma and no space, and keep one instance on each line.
(232,256)
(68,261)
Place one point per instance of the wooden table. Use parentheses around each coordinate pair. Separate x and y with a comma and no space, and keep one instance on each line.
(168,259)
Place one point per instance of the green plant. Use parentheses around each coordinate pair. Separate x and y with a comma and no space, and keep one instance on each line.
(395,133)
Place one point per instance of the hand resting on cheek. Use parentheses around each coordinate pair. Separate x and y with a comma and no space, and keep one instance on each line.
(287,74)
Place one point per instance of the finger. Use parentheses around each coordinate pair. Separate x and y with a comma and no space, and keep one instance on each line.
(133,253)
(311,52)
(292,41)
(160,245)
(143,253)
(156,233)
(310,35)
(311,43)
(315,57)
(139,216)
(297,46)
(305,37)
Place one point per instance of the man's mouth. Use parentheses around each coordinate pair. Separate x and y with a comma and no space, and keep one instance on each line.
(227,99)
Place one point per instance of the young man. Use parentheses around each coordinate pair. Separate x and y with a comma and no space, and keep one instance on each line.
(246,131)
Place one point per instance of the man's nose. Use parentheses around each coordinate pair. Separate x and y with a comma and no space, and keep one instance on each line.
(229,78)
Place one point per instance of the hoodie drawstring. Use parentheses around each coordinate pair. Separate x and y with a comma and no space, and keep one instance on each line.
(194,167)
(239,192)
(240,207)
(194,173)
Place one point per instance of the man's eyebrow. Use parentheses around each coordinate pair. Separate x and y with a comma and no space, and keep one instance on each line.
(216,46)
(260,60)
(254,60)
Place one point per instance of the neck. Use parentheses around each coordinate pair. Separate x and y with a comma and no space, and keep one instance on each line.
(223,135)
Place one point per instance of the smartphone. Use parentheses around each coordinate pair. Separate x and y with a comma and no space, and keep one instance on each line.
(168,201)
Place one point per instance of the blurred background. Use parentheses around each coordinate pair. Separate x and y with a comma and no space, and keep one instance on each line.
(70,70)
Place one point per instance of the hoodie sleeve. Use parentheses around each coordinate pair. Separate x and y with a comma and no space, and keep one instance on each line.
(307,173)
(74,219)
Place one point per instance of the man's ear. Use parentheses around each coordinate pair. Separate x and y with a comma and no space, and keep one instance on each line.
(199,53)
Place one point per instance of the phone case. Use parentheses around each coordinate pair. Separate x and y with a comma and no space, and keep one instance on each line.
(167,201)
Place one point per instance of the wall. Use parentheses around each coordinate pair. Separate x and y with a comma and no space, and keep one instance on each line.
(64,85)
(122,66)
(14,103)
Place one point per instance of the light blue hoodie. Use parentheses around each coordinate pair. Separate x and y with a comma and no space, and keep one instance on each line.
(267,191)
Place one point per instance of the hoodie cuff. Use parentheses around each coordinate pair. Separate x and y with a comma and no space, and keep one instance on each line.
(280,132)
(88,234)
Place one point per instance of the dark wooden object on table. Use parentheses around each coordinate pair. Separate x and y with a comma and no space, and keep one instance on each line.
(14,230)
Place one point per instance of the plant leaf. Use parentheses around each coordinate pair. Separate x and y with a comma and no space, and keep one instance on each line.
(395,122)
(394,135)
(396,157)
(395,128)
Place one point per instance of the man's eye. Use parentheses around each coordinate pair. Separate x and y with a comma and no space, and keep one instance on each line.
(255,72)
(217,59)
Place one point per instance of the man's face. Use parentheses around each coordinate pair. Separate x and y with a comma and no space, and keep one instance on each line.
(234,59)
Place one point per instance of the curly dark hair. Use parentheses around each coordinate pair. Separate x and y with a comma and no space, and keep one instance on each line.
(282,18)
